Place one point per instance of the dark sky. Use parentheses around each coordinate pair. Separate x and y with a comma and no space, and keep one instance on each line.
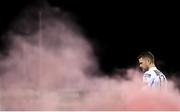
(118,30)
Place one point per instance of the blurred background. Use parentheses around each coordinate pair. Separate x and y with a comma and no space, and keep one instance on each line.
(118,31)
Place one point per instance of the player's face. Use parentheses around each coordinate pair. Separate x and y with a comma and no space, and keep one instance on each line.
(143,64)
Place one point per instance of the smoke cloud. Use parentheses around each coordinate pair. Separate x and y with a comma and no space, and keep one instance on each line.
(51,66)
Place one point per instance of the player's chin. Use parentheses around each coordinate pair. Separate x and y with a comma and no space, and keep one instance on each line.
(144,70)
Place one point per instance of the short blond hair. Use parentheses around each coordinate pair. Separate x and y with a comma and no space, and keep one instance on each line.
(146,54)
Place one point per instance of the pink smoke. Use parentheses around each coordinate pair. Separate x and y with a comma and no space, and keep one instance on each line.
(55,69)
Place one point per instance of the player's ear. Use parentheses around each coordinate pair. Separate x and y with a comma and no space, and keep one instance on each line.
(148,60)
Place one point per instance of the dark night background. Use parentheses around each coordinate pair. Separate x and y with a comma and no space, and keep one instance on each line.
(118,30)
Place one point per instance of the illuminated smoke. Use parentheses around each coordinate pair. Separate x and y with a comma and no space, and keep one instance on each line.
(51,67)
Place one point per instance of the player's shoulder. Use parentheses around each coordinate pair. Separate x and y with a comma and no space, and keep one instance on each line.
(150,73)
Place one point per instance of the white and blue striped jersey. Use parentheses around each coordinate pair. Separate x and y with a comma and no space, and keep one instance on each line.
(154,78)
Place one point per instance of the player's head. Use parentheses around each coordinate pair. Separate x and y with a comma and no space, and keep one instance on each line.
(145,60)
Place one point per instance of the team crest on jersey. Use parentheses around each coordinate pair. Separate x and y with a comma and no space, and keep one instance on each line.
(148,75)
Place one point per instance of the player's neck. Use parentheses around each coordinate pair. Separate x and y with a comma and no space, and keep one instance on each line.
(151,65)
